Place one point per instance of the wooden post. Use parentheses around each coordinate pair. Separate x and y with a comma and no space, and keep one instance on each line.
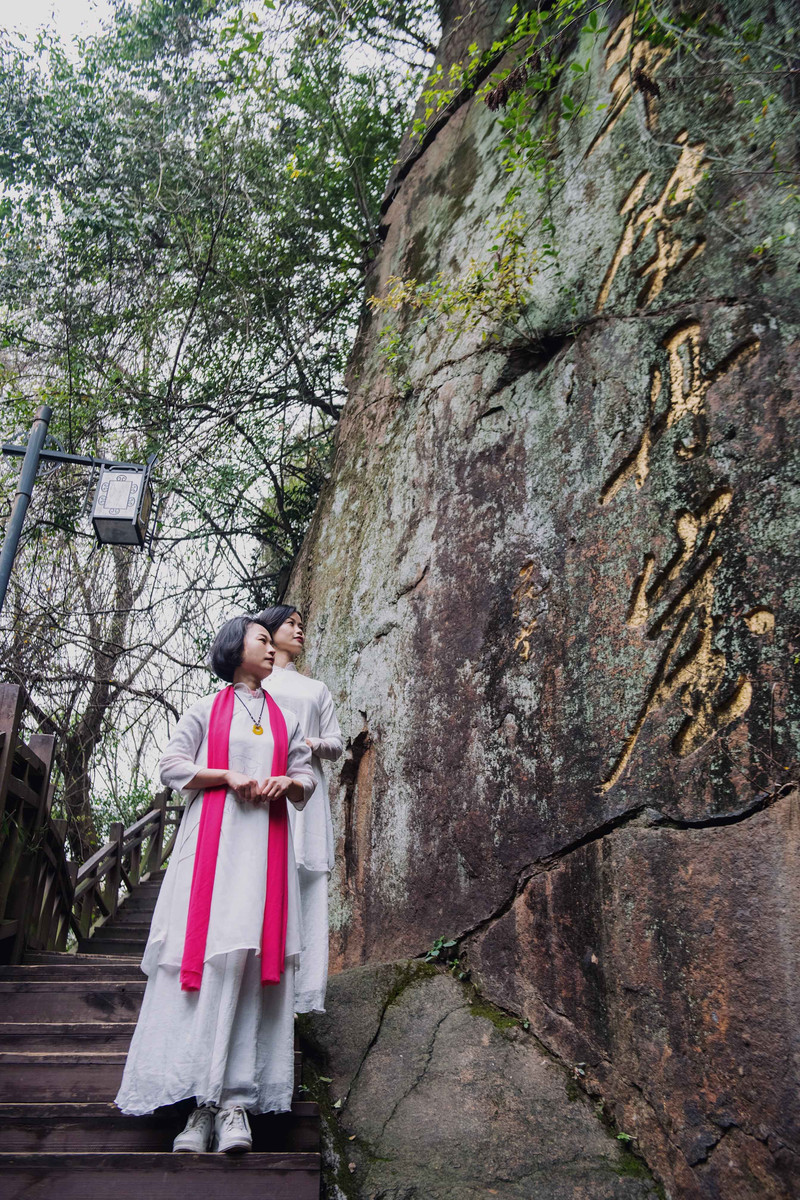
(135,869)
(10,716)
(85,908)
(60,906)
(114,878)
(63,932)
(157,840)
(29,871)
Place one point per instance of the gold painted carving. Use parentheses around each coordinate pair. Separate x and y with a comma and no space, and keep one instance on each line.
(686,391)
(760,621)
(658,218)
(643,57)
(522,642)
(523,593)
(677,601)
(690,667)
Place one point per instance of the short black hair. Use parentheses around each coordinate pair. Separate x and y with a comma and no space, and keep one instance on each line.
(227,648)
(273,618)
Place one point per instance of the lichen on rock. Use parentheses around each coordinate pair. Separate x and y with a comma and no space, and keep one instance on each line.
(442,1097)
(552,586)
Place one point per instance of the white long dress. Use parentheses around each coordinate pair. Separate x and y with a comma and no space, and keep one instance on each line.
(312,828)
(231,1042)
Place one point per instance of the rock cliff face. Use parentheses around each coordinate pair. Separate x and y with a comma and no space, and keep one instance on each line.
(550,585)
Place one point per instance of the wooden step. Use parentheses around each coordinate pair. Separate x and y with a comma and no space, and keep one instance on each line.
(53,959)
(90,1075)
(47,1076)
(137,915)
(82,1176)
(118,928)
(98,1127)
(137,903)
(117,944)
(66,1035)
(74,967)
(72,1000)
(151,884)
(131,916)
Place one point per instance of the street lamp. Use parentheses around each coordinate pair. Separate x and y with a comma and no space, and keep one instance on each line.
(123,500)
(122,505)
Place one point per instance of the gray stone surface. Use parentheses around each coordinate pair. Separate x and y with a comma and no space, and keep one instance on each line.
(451,1100)
(552,586)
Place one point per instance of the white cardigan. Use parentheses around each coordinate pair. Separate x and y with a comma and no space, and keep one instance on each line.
(312,702)
(240,880)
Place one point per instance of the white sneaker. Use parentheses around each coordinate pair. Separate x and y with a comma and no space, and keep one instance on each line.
(233,1130)
(196,1136)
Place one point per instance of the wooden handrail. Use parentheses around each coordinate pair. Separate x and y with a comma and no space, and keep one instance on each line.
(122,863)
(42,893)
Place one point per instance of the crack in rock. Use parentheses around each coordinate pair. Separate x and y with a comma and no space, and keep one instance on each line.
(652,817)
(422,1073)
(391,999)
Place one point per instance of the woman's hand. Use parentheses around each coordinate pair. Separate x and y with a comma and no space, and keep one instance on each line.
(275,787)
(245,787)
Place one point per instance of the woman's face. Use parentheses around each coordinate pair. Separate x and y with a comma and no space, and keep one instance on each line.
(289,636)
(258,652)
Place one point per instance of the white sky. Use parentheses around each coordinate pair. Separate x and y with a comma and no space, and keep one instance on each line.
(70,17)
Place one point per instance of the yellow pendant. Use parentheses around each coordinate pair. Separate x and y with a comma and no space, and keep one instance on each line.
(258,729)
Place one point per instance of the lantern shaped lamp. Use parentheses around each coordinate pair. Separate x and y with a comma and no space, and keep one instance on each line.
(122,505)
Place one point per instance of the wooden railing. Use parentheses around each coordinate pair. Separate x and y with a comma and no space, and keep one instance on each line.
(131,854)
(27,848)
(42,894)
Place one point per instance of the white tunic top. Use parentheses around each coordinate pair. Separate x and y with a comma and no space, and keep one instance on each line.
(240,880)
(312,702)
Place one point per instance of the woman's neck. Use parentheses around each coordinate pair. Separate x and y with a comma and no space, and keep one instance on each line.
(283,658)
(248,679)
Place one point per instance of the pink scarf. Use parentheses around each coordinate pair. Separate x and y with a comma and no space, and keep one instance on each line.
(276,908)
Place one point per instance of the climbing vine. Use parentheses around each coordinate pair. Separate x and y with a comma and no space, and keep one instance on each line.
(491,291)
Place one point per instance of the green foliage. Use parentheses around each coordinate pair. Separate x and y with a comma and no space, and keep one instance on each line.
(127,805)
(188,205)
(187,213)
(442,952)
(438,950)
(490,292)
(535,39)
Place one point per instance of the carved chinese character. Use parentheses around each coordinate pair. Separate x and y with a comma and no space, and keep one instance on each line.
(657,219)
(523,594)
(686,391)
(690,666)
(633,62)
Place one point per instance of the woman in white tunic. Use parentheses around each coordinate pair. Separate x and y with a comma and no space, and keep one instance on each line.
(312,828)
(230,1043)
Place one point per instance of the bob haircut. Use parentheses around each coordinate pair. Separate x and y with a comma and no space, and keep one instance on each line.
(273,618)
(227,648)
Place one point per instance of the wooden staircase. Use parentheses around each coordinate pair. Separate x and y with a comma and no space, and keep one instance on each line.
(66,1022)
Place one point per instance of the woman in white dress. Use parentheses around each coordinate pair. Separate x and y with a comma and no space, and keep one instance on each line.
(312,829)
(217,1018)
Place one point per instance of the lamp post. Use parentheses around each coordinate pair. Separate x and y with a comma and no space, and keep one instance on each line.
(122,504)
(27,478)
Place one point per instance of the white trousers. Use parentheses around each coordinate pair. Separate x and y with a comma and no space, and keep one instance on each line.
(312,974)
(232,1042)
